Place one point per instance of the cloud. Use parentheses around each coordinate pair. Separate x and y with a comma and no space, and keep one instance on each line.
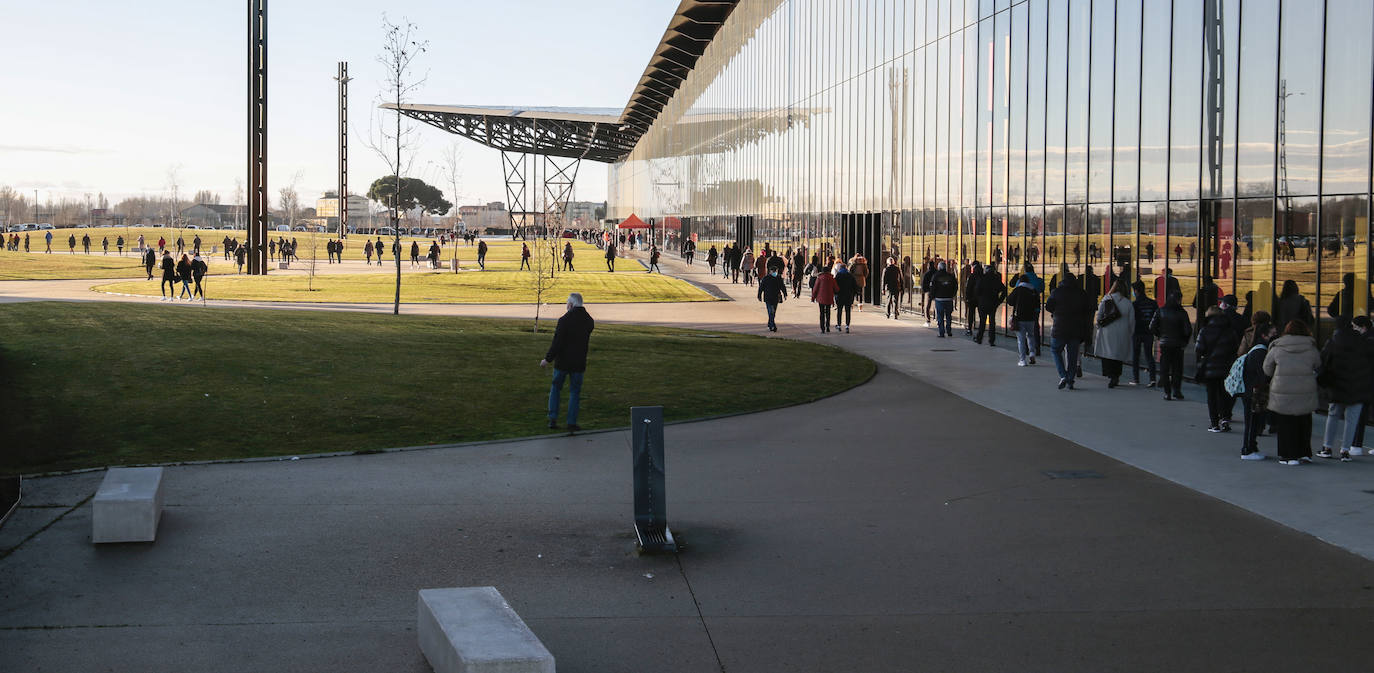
(50,149)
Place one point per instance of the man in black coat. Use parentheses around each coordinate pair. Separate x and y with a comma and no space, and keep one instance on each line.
(568,353)
(990,292)
(149,261)
(1072,312)
(772,291)
(1173,329)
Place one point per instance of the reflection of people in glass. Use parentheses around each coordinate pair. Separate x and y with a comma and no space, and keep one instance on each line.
(1225,258)
(1150,252)
(1178,253)
(1293,306)
(1342,305)
(1192,251)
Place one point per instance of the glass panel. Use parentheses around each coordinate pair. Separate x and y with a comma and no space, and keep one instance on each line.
(1097,232)
(1054,245)
(985,97)
(1127,104)
(1254,255)
(1016,133)
(1295,268)
(1074,217)
(1255,115)
(1185,130)
(1345,129)
(1300,95)
(1345,259)
(1100,115)
(1153,256)
(1154,101)
(1035,102)
(1222,251)
(1056,133)
(1076,143)
(1001,107)
(970,116)
(1125,222)
(1183,245)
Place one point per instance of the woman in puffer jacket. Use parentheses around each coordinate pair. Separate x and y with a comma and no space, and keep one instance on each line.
(1291,365)
(1216,350)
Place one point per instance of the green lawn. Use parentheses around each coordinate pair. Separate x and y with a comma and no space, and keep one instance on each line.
(93,384)
(469,287)
(502,254)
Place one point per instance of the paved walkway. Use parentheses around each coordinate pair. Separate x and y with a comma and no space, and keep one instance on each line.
(895,527)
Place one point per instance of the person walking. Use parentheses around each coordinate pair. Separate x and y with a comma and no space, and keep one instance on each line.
(1216,351)
(1115,325)
(119,245)
(47,238)
(525,257)
(1142,342)
(367,252)
(1070,309)
(71,245)
(85,244)
(481,255)
(1345,373)
(971,274)
(711,257)
(798,272)
(198,270)
(1256,396)
(1173,329)
(415,254)
(746,266)
(568,257)
(168,286)
(772,291)
(149,261)
(1024,301)
(858,267)
(846,293)
(105,245)
(240,255)
(823,294)
(1362,326)
(927,296)
(991,292)
(568,355)
(1291,365)
(610,256)
(653,260)
(893,286)
(184,276)
(943,287)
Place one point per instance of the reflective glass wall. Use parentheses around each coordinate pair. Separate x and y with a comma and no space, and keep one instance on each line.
(1179,142)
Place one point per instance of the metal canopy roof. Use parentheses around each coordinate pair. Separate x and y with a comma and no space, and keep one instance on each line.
(692,27)
(599,134)
(575,133)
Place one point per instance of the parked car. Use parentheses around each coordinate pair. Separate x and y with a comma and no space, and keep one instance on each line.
(45,225)
(282,227)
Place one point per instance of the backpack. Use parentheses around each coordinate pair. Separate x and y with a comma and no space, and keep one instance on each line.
(1235,379)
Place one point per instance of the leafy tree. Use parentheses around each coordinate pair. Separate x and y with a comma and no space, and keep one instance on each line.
(415,193)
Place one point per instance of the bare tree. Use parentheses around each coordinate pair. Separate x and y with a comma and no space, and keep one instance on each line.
(400,48)
(173,207)
(452,164)
(238,202)
(289,200)
(205,196)
(540,277)
(10,201)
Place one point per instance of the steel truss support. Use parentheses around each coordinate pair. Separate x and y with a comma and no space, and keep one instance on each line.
(514,168)
(257,137)
(343,80)
(560,175)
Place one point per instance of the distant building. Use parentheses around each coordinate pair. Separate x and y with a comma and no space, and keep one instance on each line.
(584,213)
(492,216)
(359,212)
(214,215)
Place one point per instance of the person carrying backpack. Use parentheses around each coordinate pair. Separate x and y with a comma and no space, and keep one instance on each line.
(1247,380)
(1216,350)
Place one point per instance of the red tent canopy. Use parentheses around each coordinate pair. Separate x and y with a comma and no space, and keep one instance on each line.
(632,222)
(672,223)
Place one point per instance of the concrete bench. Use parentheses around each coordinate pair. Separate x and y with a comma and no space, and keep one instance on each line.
(128,505)
(283,265)
(474,630)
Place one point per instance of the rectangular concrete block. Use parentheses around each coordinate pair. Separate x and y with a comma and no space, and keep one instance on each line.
(474,630)
(128,505)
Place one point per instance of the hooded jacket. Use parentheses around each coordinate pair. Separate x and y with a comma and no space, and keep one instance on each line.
(1171,326)
(1346,367)
(990,291)
(846,287)
(823,292)
(1024,301)
(1216,346)
(1291,365)
(1071,310)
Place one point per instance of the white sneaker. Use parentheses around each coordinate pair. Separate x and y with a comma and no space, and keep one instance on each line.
(1290,462)
(1253,456)
(1020,363)
(1357,450)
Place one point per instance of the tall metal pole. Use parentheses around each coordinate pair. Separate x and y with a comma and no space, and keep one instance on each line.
(257,137)
(343,80)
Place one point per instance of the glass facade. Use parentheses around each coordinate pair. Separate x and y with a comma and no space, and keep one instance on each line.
(1222,140)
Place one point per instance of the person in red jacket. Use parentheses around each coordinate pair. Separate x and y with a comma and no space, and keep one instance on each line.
(823,293)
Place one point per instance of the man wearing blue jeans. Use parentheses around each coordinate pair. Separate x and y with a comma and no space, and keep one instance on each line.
(943,286)
(1065,359)
(568,353)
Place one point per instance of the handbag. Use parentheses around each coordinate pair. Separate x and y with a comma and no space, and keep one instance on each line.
(1108,313)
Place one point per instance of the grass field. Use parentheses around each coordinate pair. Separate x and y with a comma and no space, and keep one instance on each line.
(92,384)
(471,287)
(503,253)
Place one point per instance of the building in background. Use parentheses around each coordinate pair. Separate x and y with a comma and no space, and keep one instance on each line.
(582,214)
(213,215)
(491,217)
(359,212)
(1198,139)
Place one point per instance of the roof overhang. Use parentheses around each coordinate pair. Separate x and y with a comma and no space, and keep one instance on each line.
(693,26)
(574,133)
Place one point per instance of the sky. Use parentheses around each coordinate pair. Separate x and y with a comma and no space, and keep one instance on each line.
(115,97)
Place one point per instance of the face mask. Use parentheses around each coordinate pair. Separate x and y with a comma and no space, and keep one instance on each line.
(775,274)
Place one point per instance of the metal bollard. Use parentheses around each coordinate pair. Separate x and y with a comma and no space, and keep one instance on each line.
(651,501)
